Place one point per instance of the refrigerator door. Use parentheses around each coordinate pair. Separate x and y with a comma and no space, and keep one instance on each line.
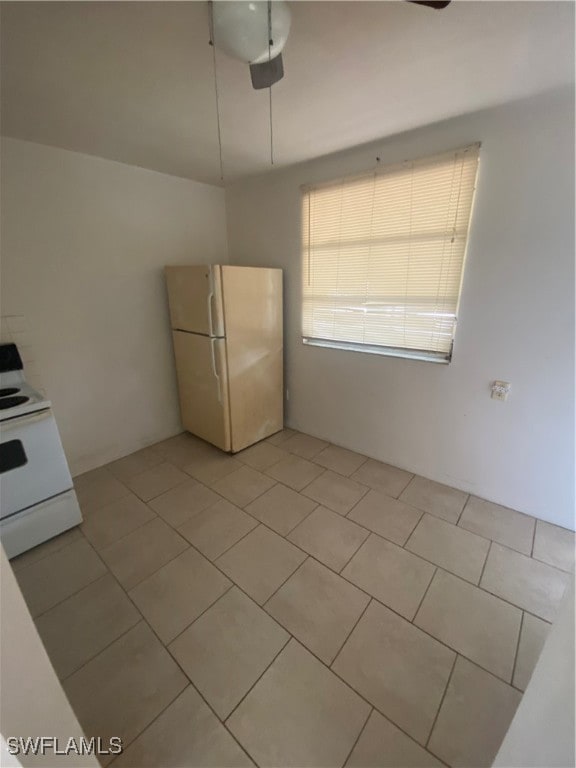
(203,387)
(253,308)
(195,298)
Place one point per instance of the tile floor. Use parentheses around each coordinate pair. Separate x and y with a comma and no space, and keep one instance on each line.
(295,605)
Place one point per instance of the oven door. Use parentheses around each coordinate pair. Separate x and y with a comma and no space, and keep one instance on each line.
(33,466)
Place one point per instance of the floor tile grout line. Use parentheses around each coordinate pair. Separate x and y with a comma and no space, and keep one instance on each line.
(194,514)
(257,680)
(124,480)
(441,702)
(353,522)
(197,618)
(262,522)
(458,528)
(127,593)
(72,594)
(358,620)
(221,554)
(123,536)
(353,507)
(484,568)
(63,680)
(24,567)
(487,591)
(148,623)
(556,567)
(357,739)
(303,488)
(243,506)
(139,528)
(68,597)
(413,620)
(358,693)
(187,469)
(263,470)
(356,551)
(468,497)
(142,619)
(520,630)
(405,545)
(155,571)
(289,541)
(521,608)
(300,456)
(261,605)
(187,683)
(324,504)
(298,523)
(342,474)
(221,720)
(408,485)
(533,538)
(88,512)
(152,498)
(528,557)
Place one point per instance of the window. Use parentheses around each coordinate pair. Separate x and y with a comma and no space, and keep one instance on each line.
(383,257)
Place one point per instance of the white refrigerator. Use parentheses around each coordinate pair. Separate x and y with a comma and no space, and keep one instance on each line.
(228,345)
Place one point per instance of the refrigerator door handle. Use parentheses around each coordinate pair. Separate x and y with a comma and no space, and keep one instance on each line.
(212,342)
(210,323)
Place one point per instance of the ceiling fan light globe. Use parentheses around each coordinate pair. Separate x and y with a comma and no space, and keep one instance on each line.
(241,28)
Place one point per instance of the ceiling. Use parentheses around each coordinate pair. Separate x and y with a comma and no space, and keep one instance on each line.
(133,81)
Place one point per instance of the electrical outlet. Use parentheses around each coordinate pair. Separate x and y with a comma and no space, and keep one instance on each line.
(287,394)
(500,390)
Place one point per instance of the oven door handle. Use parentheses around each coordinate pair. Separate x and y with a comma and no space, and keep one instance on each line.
(23,421)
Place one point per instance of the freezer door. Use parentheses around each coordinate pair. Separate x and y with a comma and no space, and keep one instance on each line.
(203,387)
(254,351)
(195,298)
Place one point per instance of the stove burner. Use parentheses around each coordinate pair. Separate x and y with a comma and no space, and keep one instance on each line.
(5,391)
(12,402)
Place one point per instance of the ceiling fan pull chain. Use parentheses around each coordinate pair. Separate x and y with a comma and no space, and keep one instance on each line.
(270,43)
(216,94)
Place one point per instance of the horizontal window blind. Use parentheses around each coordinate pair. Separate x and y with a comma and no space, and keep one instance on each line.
(383,255)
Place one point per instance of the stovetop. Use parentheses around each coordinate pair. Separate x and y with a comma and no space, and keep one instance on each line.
(12,402)
(5,391)
(17,397)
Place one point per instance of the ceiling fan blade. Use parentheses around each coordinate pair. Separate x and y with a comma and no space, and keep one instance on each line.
(437,4)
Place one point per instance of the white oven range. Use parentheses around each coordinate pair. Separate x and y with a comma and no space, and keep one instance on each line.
(37,497)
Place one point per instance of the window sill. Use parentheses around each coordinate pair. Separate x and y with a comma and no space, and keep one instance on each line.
(373,349)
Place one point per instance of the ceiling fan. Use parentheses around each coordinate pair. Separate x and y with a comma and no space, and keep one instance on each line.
(256,31)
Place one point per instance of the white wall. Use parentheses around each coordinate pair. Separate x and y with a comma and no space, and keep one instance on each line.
(84,241)
(33,702)
(542,731)
(516,319)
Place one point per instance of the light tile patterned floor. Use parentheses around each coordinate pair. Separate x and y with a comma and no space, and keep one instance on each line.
(295,605)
